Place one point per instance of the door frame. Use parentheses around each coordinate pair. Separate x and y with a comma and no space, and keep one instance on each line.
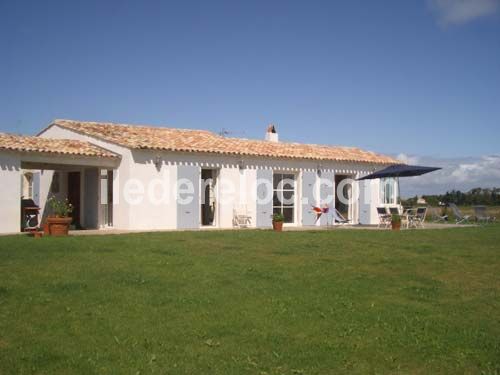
(351,215)
(109,194)
(296,201)
(215,177)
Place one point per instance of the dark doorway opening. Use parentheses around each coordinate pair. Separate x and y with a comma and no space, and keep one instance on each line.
(74,196)
(346,192)
(208,196)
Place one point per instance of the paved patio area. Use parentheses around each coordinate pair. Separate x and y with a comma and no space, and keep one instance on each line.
(111,231)
(375,227)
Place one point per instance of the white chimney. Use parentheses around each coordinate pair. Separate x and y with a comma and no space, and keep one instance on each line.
(271,134)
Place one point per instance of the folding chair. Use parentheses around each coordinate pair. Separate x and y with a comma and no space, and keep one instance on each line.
(419,218)
(384,218)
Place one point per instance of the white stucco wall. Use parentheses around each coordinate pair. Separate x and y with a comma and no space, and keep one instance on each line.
(158,208)
(369,201)
(10,197)
(247,196)
(228,202)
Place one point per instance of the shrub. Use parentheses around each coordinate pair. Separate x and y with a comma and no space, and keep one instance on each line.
(278,217)
(59,207)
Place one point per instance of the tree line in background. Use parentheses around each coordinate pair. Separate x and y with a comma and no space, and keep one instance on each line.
(476,196)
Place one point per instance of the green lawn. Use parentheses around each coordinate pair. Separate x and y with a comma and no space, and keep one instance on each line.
(252,302)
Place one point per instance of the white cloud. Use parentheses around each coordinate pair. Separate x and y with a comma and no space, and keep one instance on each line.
(408,159)
(457,12)
(457,174)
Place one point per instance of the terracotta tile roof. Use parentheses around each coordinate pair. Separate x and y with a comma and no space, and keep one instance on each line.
(52,146)
(185,140)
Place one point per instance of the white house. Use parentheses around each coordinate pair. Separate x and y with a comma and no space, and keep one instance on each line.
(141,177)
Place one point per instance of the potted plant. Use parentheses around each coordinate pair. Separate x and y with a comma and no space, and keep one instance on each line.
(278,222)
(396,222)
(58,223)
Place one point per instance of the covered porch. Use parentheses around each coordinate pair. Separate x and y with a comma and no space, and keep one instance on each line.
(64,169)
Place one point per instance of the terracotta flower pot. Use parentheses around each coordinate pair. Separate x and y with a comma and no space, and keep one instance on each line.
(58,226)
(396,225)
(278,226)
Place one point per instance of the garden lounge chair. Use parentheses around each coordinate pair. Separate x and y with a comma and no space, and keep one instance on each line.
(459,217)
(338,218)
(481,214)
(437,217)
(384,218)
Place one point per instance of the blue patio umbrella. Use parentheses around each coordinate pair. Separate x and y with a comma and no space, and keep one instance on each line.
(400,170)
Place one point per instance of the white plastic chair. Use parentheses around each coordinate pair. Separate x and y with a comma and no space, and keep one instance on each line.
(241,217)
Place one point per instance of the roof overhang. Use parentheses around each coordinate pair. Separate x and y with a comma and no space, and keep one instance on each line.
(49,161)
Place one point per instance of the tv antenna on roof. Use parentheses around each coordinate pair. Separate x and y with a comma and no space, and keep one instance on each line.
(225,133)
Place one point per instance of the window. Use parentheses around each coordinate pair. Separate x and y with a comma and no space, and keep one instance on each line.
(284,196)
(387,193)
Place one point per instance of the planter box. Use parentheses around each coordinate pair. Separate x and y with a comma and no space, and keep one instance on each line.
(278,226)
(58,226)
(396,226)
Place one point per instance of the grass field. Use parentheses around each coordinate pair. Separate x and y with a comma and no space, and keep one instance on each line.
(252,302)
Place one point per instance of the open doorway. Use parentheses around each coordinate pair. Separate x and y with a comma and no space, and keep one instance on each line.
(74,197)
(208,197)
(343,195)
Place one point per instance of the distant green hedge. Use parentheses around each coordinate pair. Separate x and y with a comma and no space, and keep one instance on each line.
(476,196)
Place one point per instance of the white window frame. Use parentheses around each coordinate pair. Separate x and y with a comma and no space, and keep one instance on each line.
(295,195)
(384,183)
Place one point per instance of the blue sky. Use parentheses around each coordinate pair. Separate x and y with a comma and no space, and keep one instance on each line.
(419,77)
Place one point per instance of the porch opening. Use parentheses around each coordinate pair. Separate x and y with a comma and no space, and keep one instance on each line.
(81,186)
